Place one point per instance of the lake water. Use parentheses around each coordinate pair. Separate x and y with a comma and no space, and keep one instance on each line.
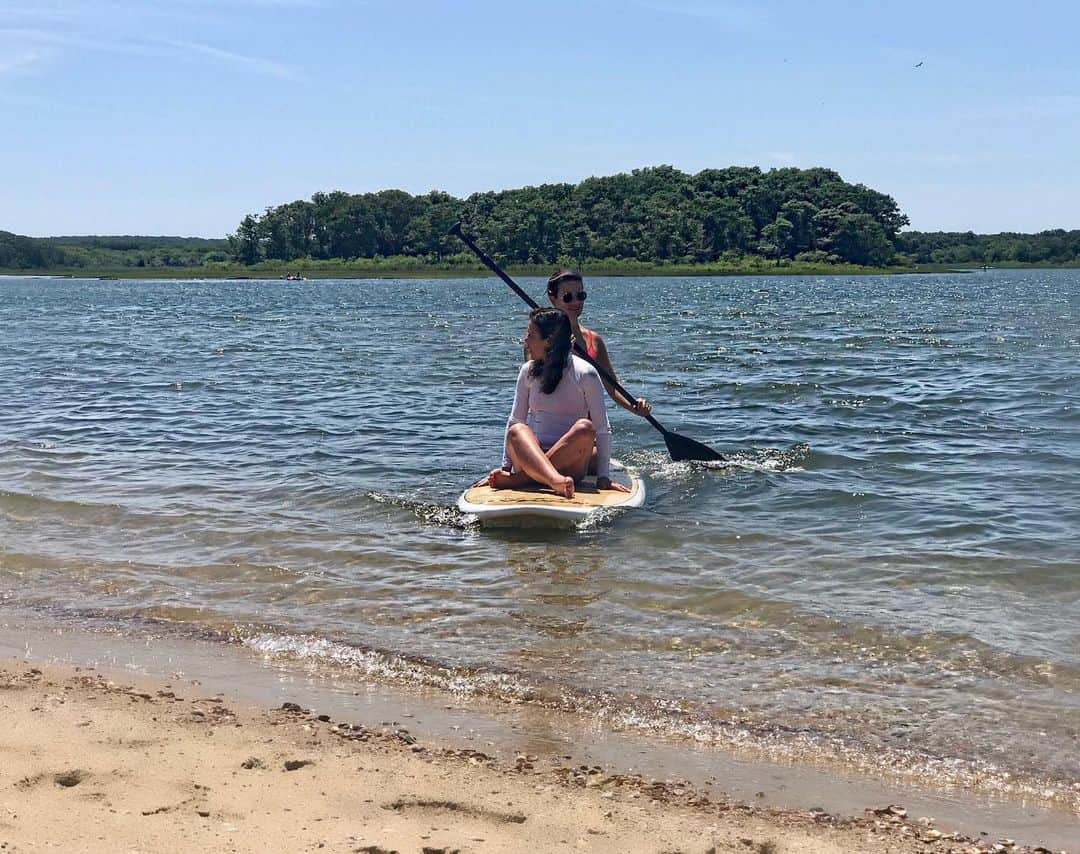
(886,573)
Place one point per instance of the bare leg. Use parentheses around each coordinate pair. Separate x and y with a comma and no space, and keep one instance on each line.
(571,455)
(592,462)
(578,444)
(529,459)
(573,452)
(502,479)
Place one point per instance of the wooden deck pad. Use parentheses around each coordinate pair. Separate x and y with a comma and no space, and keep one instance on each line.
(585,495)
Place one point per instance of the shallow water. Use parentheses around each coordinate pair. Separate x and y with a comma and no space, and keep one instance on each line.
(888,570)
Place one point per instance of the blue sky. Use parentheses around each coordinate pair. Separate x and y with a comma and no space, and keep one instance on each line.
(180,117)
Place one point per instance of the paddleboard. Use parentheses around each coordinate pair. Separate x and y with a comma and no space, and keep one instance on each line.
(538,506)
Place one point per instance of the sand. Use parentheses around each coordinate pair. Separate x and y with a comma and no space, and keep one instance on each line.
(98,762)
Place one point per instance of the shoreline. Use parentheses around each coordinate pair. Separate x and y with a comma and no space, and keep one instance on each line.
(314,275)
(140,762)
(449,727)
(375,271)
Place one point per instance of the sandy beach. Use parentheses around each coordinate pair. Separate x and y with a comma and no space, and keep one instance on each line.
(96,761)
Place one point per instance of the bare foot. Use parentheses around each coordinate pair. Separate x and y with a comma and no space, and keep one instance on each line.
(502,479)
(563,486)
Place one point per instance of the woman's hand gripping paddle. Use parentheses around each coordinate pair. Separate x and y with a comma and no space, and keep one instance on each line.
(680,447)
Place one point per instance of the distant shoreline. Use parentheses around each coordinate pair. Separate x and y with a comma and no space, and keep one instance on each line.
(377,271)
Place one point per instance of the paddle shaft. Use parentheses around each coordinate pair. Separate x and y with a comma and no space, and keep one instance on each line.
(491,265)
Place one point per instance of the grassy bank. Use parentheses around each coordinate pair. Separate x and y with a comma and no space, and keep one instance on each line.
(399,268)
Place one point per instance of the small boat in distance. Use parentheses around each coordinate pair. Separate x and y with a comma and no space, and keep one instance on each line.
(294,277)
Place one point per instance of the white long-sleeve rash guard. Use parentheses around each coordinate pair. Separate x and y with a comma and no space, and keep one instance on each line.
(579,394)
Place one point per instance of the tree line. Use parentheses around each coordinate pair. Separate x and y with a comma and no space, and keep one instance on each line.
(966,248)
(73,253)
(657,214)
(27,253)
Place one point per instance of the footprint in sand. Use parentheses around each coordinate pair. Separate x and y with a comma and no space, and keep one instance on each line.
(64,779)
(454,806)
(67,779)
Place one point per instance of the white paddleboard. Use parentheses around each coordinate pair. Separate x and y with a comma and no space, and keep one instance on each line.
(538,506)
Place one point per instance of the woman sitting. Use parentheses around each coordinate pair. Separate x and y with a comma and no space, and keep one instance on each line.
(557,425)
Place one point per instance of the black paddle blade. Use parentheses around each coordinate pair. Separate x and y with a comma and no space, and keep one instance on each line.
(682,449)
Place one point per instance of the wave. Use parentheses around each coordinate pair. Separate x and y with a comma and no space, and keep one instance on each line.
(428,513)
(658,465)
(668,718)
(664,717)
(27,506)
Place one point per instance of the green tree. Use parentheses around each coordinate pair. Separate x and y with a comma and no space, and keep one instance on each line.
(246,245)
(655,214)
(777,239)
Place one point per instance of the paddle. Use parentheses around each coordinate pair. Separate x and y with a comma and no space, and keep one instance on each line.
(680,447)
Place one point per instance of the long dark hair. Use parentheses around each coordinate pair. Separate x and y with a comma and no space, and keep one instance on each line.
(554,327)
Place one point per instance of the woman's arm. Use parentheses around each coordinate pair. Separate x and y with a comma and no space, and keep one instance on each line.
(640,406)
(594,401)
(518,412)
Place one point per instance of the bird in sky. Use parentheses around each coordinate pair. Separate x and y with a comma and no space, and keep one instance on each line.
(919,64)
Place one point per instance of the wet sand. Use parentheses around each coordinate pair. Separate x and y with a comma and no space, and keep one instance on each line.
(100,761)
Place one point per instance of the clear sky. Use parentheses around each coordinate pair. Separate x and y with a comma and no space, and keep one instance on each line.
(124,117)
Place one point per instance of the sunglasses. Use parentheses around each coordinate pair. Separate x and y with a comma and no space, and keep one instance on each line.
(569,298)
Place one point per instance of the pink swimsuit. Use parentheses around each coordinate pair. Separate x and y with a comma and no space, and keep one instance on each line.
(590,342)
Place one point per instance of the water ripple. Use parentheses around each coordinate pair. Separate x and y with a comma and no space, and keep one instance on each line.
(890,547)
